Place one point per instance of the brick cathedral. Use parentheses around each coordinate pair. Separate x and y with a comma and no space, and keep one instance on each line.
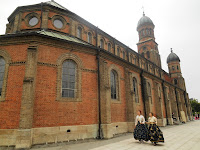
(62,79)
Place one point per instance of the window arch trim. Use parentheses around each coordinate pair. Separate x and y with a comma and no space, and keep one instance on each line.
(77,60)
(117,70)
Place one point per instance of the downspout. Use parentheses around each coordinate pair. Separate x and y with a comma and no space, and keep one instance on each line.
(177,104)
(41,15)
(100,135)
(165,102)
(186,104)
(143,96)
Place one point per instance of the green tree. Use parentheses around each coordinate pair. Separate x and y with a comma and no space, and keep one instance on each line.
(195,105)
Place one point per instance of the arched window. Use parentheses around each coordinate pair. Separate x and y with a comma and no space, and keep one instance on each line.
(173,68)
(109,47)
(89,37)
(150,31)
(148,54)
(69,78)
(124,55)
(175,81)
(149,92)
(135,90)
(79,32)
(143,32)
(113,83)
(118,51)
(147,31)
(177,68)
(102,44)
(142,54)
(2,72)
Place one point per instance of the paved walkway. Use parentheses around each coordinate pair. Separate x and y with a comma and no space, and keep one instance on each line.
(177,137)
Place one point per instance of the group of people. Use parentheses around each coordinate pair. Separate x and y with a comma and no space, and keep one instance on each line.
(142,132)
(196,116)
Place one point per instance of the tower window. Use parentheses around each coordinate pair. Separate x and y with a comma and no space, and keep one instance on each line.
(148,54)
(175,81)
(173,68)
(144,48)
(143,32)
(177,68)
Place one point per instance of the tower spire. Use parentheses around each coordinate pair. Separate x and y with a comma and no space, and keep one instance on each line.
(171,50)
(143,10)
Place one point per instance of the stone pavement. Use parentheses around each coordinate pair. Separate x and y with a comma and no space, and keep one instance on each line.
(177,137)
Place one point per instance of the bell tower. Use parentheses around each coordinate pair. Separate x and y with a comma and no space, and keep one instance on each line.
(147,46)
(174,67)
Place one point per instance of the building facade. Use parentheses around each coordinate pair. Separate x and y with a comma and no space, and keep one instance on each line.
(62,79)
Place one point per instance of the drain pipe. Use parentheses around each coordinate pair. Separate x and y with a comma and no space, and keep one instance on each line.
(100,135)
(41,15)
(143,94)
(165,102)
(177,104)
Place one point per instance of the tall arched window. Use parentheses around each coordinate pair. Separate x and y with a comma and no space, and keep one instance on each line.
(147,31)
(102,44)
(149,92)
(124,55)
(173,68)
(135,90)
(175,81)
(177,68)
(143,32)
(79,32)
(89,37)
(148,54)
(118,51)
(109,47)
(2,72)
(113,83)
(69,79)
(150,32)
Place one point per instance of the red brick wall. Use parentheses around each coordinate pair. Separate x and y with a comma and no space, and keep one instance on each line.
(48,111)
(10,108)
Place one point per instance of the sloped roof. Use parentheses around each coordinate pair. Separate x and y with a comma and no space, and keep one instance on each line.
(61,36)
(53,3)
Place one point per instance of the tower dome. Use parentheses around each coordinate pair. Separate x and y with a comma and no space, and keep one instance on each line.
(144,21)
(172,57)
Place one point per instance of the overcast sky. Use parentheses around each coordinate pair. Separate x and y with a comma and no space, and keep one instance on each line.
(177,26)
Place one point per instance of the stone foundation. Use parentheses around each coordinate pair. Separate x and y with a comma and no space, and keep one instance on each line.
(170,121)
(26,138)
(162,122)
(109,130)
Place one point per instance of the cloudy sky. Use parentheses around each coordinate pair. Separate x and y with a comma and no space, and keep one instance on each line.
(177,24)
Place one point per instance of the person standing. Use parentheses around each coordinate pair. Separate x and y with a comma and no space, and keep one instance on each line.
(155,134)
(140,131)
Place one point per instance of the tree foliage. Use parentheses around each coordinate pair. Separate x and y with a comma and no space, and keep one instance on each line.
(195,105)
